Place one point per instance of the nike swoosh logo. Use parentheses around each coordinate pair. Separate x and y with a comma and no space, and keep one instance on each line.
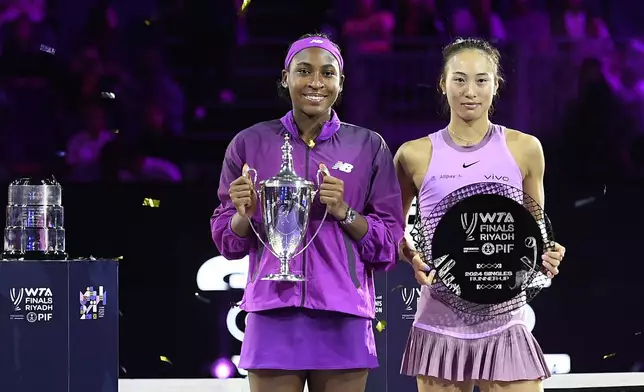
(473,163)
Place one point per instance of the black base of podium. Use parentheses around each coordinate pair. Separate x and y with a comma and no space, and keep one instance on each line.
(59,326)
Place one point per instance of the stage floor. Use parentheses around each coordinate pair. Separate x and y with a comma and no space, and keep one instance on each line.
(559,381)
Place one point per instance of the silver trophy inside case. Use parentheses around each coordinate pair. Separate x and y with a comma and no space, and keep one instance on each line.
(35,221)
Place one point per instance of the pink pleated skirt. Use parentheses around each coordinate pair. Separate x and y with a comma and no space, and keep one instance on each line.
(510,355)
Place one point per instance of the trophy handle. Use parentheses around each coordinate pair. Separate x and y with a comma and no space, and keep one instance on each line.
(259,237)
(319,176)
(314,235)
(252,175)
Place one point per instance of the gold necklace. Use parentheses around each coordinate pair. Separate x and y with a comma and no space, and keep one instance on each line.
(469,142)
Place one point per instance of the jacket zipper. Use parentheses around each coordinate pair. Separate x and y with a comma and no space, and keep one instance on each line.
(306,177)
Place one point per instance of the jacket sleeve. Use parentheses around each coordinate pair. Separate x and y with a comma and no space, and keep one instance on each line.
(383,212)
(229,244)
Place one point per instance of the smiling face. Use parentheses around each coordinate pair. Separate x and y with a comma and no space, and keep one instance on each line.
(470,82)
(314,81)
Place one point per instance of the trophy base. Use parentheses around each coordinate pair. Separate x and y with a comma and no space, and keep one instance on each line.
(34,255)
(284,278)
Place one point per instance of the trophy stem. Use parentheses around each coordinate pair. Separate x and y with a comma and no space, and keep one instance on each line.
(284,269)
(285,274)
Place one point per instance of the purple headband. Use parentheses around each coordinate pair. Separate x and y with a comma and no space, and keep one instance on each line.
(313,42)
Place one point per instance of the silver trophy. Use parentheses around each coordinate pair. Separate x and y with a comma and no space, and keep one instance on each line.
(35,221)
(285,202)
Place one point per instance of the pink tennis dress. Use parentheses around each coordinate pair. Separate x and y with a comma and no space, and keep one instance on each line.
(443,343)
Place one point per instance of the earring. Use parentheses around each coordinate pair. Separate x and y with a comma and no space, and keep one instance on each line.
(284,84)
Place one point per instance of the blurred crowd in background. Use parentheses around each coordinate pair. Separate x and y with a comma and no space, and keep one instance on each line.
(113,91)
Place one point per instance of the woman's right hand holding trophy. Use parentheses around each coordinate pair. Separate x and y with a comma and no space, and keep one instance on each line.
(243,195)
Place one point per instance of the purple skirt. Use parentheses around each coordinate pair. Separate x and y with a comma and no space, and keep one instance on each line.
(305,339)
(510,355)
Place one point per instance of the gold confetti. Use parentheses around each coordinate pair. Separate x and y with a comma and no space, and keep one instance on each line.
(609,355)
(149,202)
(381,325)
(165,359)
(147,22)
(243,8)
(119,258)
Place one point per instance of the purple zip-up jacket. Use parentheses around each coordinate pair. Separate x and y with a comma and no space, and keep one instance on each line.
(338,270)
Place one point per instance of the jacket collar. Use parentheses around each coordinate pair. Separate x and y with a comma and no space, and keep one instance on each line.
(328,129)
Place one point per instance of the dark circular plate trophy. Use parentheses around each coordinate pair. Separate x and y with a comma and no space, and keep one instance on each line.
(485,241)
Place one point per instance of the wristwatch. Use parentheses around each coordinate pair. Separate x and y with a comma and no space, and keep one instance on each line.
(351,216)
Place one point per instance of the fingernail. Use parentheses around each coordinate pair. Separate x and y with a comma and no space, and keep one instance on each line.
(545,264)
(427,268)
(544,257)
(550,275)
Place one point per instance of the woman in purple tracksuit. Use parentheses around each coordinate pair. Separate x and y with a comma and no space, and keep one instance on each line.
(318,331)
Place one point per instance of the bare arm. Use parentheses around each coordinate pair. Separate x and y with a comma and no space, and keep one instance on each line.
(406,164)
(408,191)
(405,178)
(533,186)
(536,166)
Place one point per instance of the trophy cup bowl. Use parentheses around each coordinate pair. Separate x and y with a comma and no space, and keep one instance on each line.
(285,203)
(35,221)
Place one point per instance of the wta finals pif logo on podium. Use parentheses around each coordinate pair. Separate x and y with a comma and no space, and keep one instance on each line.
(92,303)
(17,295)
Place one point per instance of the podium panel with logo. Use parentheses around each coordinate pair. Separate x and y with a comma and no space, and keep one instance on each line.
(398,292)
(59,323)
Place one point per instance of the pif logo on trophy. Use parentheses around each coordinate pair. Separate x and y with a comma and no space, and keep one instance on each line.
(493,227)
(31,304)
(485,242)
